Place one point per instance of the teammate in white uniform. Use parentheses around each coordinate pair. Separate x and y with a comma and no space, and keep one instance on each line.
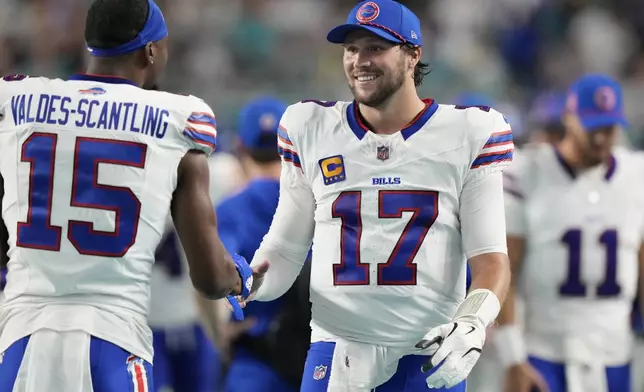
(395,193)
(92,167)
(575,217)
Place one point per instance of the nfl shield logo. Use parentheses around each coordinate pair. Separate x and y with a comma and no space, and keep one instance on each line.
(383,153)
(319,372)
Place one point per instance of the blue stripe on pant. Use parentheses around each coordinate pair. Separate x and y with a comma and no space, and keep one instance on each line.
(112,368)
(554,374)
(408,377)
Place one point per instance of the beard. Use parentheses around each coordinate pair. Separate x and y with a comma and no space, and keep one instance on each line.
(386,88)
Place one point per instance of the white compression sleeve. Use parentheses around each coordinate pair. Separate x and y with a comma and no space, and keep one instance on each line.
(289,239)
(482,215)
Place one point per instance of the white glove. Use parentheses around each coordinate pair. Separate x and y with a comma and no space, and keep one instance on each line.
(455,347)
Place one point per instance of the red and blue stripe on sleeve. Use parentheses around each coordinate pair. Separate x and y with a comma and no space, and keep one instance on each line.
(498,148)
(285,148)
(202,129)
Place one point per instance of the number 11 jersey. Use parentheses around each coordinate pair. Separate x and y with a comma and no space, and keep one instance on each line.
(582,233)
(89,168)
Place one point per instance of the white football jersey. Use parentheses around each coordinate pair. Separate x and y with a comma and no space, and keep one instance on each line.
(582,234)
(89,168)
(172,294)
(391,238)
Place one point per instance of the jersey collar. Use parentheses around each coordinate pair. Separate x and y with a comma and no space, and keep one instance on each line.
(101,79)
(610,167)
(359,128)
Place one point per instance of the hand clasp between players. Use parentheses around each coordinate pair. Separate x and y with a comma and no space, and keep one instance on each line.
(251,279)
(455,347)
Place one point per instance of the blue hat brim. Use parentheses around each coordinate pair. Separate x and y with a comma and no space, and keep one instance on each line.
(591,123)
(339,34)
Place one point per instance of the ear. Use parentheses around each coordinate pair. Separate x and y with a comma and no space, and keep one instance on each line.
(415,54)
(150,53)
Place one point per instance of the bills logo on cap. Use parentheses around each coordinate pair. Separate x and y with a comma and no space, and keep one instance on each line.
(368,12)
(605,99)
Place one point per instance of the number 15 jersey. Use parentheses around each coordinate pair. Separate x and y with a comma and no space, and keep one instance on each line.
(386,214)
(89,168)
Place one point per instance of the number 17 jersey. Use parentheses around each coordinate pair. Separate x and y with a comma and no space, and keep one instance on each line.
(89,167)
(389,242)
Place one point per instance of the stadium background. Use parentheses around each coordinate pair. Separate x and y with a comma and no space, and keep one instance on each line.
(227,52)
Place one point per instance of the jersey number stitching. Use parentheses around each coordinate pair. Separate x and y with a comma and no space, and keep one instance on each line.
(399,270)
(573,286)
(39,150)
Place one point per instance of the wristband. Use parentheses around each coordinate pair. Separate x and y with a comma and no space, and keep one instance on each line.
(245,273)
(510,346)
(481,303)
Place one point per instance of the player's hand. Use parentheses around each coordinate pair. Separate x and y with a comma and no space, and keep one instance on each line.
(524,378)
(455,348)
(259,271)
(236,303)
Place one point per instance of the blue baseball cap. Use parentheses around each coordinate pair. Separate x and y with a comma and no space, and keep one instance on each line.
(597,100)
(258,122)
(387,19)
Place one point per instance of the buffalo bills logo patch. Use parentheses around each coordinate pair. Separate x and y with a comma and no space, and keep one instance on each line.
(14,77)
(605,99)
(368,12)
(319,372)
(93,91)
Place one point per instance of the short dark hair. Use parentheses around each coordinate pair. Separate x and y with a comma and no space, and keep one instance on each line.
(265,149)
(111,23)
(264,155)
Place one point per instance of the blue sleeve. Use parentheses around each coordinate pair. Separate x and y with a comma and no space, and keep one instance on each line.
(227,227)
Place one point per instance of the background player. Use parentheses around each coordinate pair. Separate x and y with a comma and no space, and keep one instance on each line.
(394,190)
(272,341)
(575,225)
(91,167)
(184,359)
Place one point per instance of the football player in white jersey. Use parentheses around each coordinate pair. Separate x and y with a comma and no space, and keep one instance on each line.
(92,166)
(396,193)
(575,221)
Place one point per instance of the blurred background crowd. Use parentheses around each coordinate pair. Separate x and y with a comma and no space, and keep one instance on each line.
(517,55)
(229,51)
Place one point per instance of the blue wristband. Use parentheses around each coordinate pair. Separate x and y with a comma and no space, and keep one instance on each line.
(246,274)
